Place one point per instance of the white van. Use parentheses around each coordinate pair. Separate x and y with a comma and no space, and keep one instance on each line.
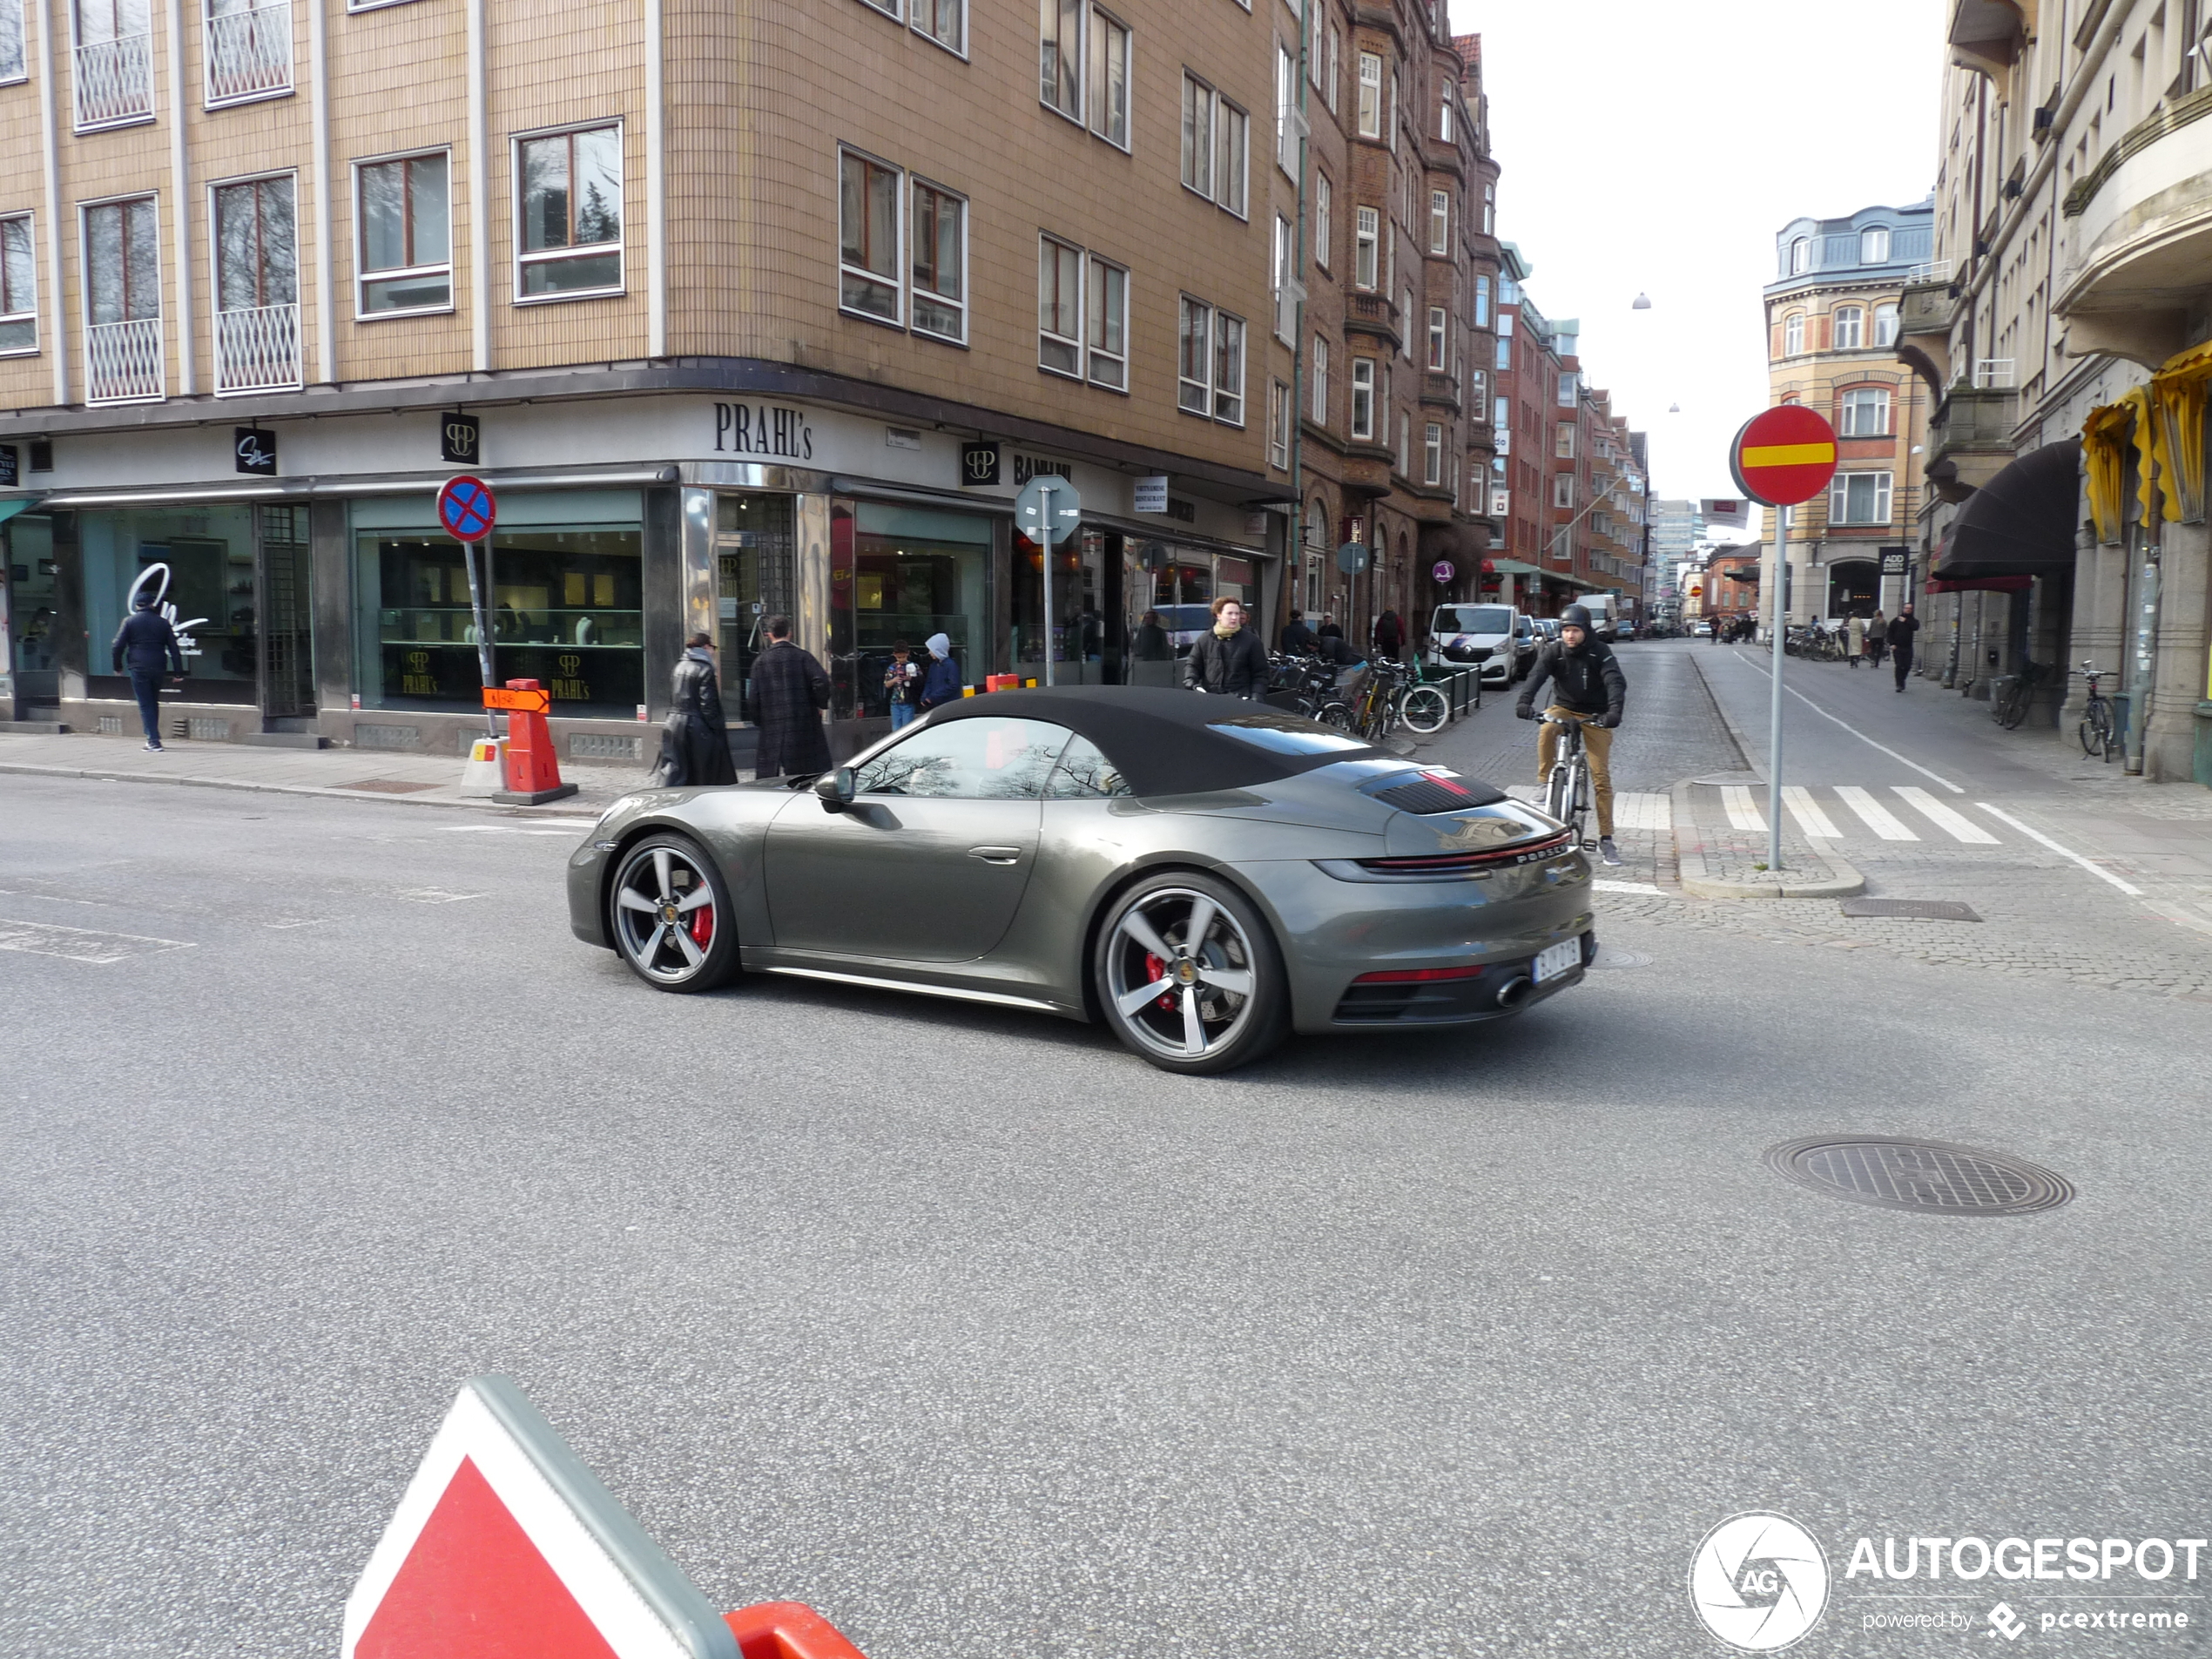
(1456,633)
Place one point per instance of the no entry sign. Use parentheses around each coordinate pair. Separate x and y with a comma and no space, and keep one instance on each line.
(466,508)
(1783,455)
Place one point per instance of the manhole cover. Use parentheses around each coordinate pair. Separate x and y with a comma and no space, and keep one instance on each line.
(1915,909)
(1928,1175)
(1609,957)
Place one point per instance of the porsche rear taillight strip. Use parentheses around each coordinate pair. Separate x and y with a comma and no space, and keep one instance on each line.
(1451,863)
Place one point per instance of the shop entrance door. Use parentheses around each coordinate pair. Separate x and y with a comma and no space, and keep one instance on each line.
(755,577)
(287,688)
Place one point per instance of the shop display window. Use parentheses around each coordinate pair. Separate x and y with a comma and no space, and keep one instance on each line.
(902,573)
(209,554)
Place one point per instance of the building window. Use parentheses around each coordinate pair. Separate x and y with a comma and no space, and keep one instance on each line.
(1800,257)
(1563,441)
(940,263)
(1285,278)
(1439,220)
(1437,342)
(1502,418)
(1321,221)
(1060,27)
(944,22)
(1886,325)
(248,47)
(1482,302)
(1320,381)
(1478,391)
(1279,426)
(405,235)
(1059,307)
(1567,390)
(1503,361)
(1286,94)
(1370,114)
(1489,209)
(1390,118)
(1793,333)
(1228,369)
(257,286)
(1107,347)
(1865,413)
(1366,247)
(1405,437)
(1432,454)
(1406,315)
(1562,489)
(1860,498)
(18,286)
(868,231)
(1363,398)
(1216,136)
(1874,245)
(1444,120)
(1850,327)
(571,191)
(1211,362)
(123,345)
(13,64)
(1109,79)
(1336,67)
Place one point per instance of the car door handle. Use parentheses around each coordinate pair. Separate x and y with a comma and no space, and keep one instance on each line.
(996,854)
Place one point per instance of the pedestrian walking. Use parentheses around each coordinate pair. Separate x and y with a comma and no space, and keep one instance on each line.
(1903,627)
(1857,634)
(940,682)
(1229,659)
(1297,637)
(1878,634)
(1152,643)
(1390,634)
(142,647)
(789,691)
(1329,628)
(695,740)
(902,684)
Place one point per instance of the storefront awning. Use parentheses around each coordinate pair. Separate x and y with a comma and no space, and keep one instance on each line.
(10,509)
(1508,567)
(2021,522)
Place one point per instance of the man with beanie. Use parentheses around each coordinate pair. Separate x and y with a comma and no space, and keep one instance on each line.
(1586,681)
(142,645)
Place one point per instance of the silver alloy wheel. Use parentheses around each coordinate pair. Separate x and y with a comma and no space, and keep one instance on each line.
(657,898)
(1179,974)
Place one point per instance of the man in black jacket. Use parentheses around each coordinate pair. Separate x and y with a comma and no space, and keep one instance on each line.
(789,692)
(1229,659)
(1586,680)
(1902,628)
(1297,637)
(142,645)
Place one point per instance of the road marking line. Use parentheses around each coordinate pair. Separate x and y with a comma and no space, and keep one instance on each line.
(1807,811)
(81,944)
(1958,826)
(1741,813)
(1879,818)
(1955,789)
(1643,812)
(2101,873)
(499,829)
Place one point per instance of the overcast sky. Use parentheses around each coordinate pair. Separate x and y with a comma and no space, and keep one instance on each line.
(1660,147)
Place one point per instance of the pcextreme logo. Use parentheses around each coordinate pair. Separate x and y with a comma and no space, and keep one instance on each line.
(1758,1582)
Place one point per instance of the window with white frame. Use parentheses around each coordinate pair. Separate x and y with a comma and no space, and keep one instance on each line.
(1286,276)
(1562,489)
(18,286)
(569,186)
(1432,454)
(1865,413)
(1209,347)
(123,262)
(1874,245)
(1278,425)
(1366,247)
(1501,415)
(943,21)
(1390,123)
(1059,307)
(1886,325)
(1440,221)
(404,236)
(1285,99)
(1111,64)
(1489,209)
(1363,398)
(1482,302)
(1106,348)
(256,245)
(1370,112)
(1563,441)
(1793,333)
(1444,120)
(1320,371)
(938,269)
(1850,327)
(868,238)
(1334,74)
(1438,337)
(13,64)
(1215,141)
(1060,54)
(1322,220)
(1800,257)
(1503,361)
(1567,390)
(1478,391)
(1860,498)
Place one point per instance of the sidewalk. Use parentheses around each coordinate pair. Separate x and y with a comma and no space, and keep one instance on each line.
(338,774)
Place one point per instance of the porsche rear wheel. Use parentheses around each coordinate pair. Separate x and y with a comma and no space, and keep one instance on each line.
(669,913)
(1187,975)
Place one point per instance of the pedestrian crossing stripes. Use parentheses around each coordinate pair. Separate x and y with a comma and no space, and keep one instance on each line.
(1877,817)
(1960,828)
(1810,818)
(1742,812)
(1903,813)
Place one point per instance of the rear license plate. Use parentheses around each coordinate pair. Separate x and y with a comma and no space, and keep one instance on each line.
(1560,959)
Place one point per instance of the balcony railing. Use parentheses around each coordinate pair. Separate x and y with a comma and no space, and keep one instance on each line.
(249,54)
(1993,375)
(115,81)
(124,362)
(257,350)
(1928,271)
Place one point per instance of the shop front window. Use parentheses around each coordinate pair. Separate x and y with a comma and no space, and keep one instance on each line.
(34,608)
(902,573)
(208,553)
(1077,635)
(756,578)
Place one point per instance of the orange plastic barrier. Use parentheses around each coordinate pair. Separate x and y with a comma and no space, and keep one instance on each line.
(533,767)
(1001,682)
(788,1630)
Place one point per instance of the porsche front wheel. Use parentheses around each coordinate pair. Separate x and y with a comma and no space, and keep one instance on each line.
(670,915)
(1187,975)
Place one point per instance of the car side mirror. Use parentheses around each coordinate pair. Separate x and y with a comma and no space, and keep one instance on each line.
(834,790)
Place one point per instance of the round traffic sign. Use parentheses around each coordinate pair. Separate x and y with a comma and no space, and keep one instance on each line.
(1697,593)
(1351,558)
(1443,572)
(1783,455)
(466,508)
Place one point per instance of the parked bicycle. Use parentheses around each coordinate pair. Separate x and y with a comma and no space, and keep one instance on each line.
(2010,708)
(2099,738)
(1567,788)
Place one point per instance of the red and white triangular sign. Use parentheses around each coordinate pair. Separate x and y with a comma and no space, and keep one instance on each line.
(505,1547)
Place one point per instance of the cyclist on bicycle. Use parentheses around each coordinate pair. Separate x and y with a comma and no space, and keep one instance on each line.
(1586,681)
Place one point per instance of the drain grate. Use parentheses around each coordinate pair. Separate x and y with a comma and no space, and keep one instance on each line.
(1913,909)
(1609,957)
(1932,1177)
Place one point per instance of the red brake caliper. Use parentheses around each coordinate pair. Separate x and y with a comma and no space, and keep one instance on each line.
(1156,970)
(703,926)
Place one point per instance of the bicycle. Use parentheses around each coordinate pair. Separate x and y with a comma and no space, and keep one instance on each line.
(2098,738)
(2010,709)
(1422,705)
(1567,787)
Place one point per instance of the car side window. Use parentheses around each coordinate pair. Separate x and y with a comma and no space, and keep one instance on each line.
(1084,773)
(978,759)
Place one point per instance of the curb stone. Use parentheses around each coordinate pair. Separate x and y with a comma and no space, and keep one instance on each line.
(1844,880)
(356,795)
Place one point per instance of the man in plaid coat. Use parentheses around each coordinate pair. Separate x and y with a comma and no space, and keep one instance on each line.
(789,691)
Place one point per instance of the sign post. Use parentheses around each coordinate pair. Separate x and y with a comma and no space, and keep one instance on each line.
(1782,456)
(1047,510)
(467,510)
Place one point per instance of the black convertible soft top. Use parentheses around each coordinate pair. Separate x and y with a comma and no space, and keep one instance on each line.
(1176,743)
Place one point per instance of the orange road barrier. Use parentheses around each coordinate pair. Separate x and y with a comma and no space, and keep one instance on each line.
(1001,682)
(788,1630)
(533,767)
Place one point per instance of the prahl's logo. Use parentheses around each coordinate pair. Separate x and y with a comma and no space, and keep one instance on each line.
(1758,1582)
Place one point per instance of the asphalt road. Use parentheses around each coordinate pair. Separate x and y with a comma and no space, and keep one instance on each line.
(984,1338)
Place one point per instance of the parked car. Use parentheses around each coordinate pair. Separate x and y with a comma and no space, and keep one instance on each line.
(1457,634)
(1701,630)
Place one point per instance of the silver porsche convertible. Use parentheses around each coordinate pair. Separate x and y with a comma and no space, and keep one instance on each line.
(1200,873)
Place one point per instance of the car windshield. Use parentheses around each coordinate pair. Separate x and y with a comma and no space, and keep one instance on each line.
(1473,619)
(1286,734)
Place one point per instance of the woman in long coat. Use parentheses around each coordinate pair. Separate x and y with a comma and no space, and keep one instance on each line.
(695,743)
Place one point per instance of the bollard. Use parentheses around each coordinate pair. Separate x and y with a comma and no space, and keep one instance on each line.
(484,773)
(533,768)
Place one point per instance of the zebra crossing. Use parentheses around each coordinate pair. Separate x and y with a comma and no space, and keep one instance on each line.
(1898,812)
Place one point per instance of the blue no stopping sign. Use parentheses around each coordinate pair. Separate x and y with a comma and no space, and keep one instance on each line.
(466,508)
